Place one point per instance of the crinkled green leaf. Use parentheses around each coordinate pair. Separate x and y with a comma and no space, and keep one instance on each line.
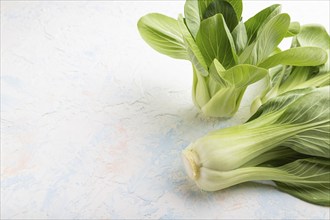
(279,102)
(215,42)
(238,7)
(254,23)
(275,157)
(238,76)
(269,38)
(309,180)
(308,111)
(303,77)
(195,11)
(270,35)
(297,75)
(236,4)
(277,50)
(244,74)
(317,81)
(231,84)
(309,70)
(298,56)
(301,111)
(246,53)
(276,72)
(224,8)
(193,52)
(215,69)
(325,68)
(314,36)
(240,37)
(294,29)
(202,6)
(192,17)
(162,33)
(314,138)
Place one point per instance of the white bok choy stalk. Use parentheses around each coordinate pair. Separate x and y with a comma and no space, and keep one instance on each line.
(287,140)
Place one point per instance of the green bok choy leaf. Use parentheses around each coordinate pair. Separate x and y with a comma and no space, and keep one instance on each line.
(313,40)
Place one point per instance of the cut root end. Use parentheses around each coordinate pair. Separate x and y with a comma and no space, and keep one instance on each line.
(191,164)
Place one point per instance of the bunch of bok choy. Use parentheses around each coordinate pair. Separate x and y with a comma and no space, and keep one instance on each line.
(287,140)
(227,54)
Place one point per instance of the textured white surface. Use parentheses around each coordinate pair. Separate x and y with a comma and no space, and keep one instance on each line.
(93,120)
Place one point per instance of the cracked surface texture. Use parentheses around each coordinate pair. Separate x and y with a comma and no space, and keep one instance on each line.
(93,120)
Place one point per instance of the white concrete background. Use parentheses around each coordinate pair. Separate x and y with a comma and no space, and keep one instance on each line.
(93,120)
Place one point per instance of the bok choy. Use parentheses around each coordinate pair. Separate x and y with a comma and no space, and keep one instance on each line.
(284,78)
(287,140)
(227,54)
